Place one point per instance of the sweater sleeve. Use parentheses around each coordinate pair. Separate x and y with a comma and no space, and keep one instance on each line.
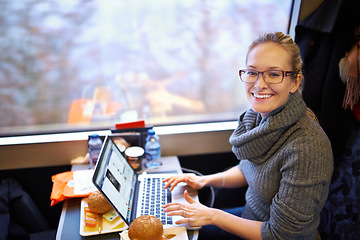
(305,177)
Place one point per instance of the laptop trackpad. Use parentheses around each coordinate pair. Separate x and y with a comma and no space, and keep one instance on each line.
(178,193)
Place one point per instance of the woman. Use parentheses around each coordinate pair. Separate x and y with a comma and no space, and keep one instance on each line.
(285,156)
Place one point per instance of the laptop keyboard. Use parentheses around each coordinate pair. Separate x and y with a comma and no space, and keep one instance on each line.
(155,198)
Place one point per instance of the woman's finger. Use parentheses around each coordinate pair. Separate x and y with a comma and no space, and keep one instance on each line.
(183,220)
(169,207)
(172,182)
(181,213)
(168,183)
(188,198)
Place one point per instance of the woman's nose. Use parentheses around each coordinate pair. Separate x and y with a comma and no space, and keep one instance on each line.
(260,83)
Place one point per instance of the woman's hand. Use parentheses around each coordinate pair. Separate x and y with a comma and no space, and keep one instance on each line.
(197,215)
(196,182)
(194,213)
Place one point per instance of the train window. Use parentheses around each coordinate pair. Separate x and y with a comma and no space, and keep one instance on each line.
(78,64)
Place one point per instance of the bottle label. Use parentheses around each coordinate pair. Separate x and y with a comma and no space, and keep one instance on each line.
(152,154)
(152,161)
(94,155)
(148,157)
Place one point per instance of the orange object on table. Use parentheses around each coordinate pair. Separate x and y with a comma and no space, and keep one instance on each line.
(71,184)
(90,218)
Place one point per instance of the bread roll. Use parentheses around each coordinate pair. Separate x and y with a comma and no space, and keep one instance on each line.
(98,204)
(146,228)
(121,143)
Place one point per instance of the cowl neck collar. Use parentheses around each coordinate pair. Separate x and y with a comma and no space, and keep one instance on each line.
(255,137)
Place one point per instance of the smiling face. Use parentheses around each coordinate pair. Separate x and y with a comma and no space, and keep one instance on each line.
(264,97)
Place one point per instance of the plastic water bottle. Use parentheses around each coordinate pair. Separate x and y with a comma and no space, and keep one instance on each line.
(95,145)
(152,150)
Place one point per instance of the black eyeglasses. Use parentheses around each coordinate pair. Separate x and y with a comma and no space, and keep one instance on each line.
(270,76)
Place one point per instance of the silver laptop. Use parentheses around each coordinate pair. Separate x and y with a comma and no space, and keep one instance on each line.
(132,194)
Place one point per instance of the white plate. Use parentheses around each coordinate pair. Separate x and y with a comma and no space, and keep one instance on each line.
(180,233)
(116,225)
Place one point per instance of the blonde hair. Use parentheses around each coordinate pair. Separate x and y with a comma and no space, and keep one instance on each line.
(287,43)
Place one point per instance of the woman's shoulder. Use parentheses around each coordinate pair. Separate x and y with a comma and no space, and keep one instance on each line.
(311,128)
(310,140)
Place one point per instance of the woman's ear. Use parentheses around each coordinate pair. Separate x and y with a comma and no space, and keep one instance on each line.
(296,83)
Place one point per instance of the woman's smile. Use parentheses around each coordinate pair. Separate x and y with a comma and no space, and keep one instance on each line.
(262,96)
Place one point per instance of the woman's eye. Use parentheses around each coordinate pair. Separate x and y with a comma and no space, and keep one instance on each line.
(274,74)
(251,73)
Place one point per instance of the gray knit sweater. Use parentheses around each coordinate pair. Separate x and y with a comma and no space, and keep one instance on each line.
(287,161)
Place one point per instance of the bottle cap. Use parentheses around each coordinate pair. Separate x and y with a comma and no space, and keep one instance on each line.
(94,135)
(151,132)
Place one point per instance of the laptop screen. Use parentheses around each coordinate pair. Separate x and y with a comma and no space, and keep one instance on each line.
(116,178)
